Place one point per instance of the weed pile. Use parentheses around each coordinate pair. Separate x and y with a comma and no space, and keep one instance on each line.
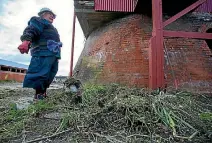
(112,113)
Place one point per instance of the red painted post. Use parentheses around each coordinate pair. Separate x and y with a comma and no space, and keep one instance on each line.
(152,65)
(157,32)
(72,47)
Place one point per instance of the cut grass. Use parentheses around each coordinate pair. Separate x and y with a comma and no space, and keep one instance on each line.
(113,113)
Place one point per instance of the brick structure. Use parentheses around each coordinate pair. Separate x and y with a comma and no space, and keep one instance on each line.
(6,75)
(118,52)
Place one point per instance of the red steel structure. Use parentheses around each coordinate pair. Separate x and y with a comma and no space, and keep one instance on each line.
(156,73)
(156,50)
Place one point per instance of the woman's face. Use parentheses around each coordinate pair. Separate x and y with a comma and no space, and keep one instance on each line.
(49,16)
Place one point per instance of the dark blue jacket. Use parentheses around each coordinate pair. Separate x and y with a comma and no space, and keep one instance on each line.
(39,31)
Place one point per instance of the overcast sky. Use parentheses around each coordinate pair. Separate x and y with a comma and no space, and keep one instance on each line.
(14,15)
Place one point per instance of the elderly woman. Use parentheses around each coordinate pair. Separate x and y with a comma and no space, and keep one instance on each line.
(43,41)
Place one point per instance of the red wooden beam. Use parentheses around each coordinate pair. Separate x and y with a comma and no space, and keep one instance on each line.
(183,12)
(182,34)
(72,47)
(157,47)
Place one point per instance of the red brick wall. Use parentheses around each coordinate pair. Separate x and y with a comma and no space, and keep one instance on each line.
(118,52)
(5,75)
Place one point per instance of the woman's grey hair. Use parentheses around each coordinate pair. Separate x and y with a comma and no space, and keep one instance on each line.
(43,14)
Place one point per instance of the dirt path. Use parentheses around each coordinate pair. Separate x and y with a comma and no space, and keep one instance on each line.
(14,94)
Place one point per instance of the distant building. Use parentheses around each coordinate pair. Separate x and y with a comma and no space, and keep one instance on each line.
(12,71)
